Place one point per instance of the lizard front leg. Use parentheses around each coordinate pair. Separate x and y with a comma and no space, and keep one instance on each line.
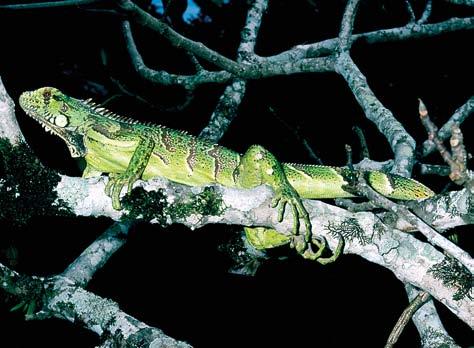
(134,171)
(258,166)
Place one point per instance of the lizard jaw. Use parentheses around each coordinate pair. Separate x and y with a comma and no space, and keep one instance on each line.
(75,145)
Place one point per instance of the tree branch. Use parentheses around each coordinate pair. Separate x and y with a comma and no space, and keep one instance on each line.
(231,99)
(402,144)
(242,70)
(426,13)
(428,323)
(62,299)
(96,255)
(433,236)
(408,258)
(164,78)
(420,299)
(52,4)
(409,31)
(347,25)
(410,11)
(462,2)
(9,125)
(459,116)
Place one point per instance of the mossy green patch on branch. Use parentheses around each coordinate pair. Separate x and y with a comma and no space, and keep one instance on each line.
(27,188)
(208,202)
(145,205)
(153,205)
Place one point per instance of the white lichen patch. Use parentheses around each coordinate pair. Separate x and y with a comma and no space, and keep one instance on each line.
(256,197)
(193,220)
(86,197)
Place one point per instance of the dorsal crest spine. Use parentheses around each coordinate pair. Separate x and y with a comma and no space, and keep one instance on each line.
(97,108)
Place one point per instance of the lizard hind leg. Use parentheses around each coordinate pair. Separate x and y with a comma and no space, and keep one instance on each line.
(262,238)
(91,172)
(258,166)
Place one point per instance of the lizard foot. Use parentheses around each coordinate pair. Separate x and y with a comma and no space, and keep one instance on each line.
(316,256)
(287,195)
(115,185)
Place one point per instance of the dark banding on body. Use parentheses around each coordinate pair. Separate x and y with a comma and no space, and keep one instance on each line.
(191,158)
(103,129)
(163,159)
(214,153)
(167,141)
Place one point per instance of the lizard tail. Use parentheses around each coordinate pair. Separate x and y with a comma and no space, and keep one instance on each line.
(397,187)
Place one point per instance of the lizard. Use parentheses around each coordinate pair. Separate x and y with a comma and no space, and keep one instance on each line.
(128,150)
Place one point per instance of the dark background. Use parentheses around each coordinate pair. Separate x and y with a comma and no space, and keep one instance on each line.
(176,279)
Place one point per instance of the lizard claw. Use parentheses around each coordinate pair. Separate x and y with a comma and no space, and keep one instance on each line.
(287,195)
(115,185)
(311,255)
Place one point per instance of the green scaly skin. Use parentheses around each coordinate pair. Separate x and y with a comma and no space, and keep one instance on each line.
(128,150)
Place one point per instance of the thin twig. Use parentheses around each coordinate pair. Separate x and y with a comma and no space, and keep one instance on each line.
(410,11)
(51,4)
(426,13)
(459,116)
(405,317)
(349,162)
(457,161)
(434,169)
(462,2)
(364,149)
(299,137)
(162,77)
(428,323)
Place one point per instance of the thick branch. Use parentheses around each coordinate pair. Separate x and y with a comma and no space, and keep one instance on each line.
(433,236)
(101,316)
(19,285)
(64,300)
(96,255)
(9,125)
(408,258)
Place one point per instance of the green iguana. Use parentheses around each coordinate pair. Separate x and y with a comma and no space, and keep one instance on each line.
(128,150)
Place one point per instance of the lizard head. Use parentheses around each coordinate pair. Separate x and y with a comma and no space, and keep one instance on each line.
(58,114)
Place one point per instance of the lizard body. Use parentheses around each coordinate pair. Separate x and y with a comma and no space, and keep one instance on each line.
(128,150)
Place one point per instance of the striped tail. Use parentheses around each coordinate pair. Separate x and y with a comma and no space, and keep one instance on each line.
(397,187)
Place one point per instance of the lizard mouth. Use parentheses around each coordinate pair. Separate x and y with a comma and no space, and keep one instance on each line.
(73,141)
(47,126)
(43,120)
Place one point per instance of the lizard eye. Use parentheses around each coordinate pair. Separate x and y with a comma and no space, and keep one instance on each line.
(47,94)
(60,121)
(64,107)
